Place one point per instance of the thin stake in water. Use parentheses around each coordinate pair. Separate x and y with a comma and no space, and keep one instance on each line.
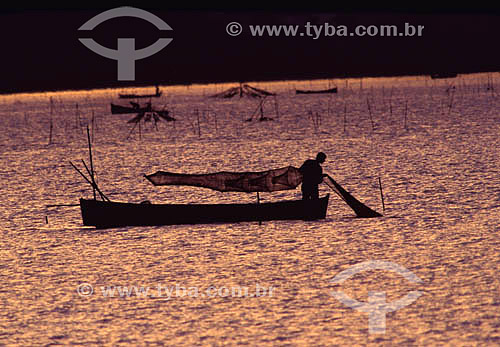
(276,107)
(370,112)
(345,115)
(258,202)
(198,122)
(78,122)
(406,114)
(381,193)
(51,126)
(91,163)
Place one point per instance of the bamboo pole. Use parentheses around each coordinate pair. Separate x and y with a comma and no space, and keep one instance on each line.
(258,202)
(215,121)
(88,181)
(93,126)
(51,126)
(381,193)
(130,132)
(276,107)
(328,108)
(94,184)
(78,123)
(345,115)
(50,131)
(91,162)
(450,105)
(406,114)
(370,112)
(198,121)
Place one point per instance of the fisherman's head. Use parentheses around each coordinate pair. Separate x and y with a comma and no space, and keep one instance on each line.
(320,157)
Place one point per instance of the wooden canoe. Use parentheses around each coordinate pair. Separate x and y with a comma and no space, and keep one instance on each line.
(106,214)
(324,91)
(139,96)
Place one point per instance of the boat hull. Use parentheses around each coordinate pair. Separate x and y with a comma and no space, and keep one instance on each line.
(105,214)
(135,96)
(326,91)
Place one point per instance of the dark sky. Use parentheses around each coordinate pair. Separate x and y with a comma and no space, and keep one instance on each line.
(41,50)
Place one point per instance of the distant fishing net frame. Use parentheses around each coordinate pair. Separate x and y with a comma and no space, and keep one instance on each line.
(243,90)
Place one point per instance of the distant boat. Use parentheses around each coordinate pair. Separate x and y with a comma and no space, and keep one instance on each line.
(138,96)
(107,214)
(324,91)
(443,75)
(135,108)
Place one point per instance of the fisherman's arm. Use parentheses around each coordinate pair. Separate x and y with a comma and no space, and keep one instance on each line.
(321,175)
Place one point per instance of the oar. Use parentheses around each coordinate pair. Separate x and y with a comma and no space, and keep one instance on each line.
(358,207)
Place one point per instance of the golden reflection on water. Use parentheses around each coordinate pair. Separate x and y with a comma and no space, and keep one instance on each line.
(440,183)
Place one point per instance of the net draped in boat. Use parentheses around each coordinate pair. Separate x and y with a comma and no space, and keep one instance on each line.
(265,181)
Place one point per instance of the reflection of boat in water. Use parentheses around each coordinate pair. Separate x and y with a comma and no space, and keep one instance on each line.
(139,96)
(119,109)
(106,214)
(443,75)
(324,91)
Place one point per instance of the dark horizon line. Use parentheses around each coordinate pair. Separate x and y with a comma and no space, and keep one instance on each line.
(312,77)
(462,8)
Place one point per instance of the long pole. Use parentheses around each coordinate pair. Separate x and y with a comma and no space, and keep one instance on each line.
(345,115)
(370,112)
(276,107)
(51,126)
(77,118)
(91,163)
(132,130)
(259,106)
(94,184)
(406,115)
(381,193)
(88,181)
(198,121)
(258,202)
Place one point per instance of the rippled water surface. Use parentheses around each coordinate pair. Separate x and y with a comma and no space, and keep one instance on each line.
(439,170)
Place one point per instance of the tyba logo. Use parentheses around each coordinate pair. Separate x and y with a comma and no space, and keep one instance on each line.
(126,54)
(376,307)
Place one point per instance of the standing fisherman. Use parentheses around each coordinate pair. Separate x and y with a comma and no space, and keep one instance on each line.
(312,174)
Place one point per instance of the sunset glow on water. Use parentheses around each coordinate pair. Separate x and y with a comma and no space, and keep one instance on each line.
(433,143)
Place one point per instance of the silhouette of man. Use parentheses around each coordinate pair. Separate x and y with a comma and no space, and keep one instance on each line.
(312,176)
